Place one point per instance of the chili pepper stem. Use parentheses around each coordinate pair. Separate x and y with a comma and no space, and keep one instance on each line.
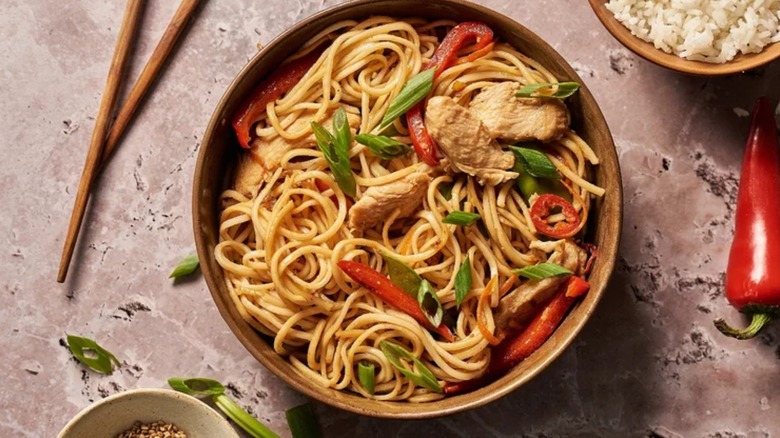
(759,321)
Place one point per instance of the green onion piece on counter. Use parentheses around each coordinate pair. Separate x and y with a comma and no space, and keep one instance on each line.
(302,421)
(419,374)
(535,163)
(186,266)
(383,147)
(429,303)
(462,218)
(446,190)
(251,426)
(196,386)
(542,271)
(402,275)
(92,355)
(412,93)
(544,90)
(202,387)
(336,150)
(366,376)
(463,281)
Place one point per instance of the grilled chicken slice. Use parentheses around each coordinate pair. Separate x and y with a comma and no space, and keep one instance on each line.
(513,119)
(467,143)
(267,152)
(518,307)
(379,202)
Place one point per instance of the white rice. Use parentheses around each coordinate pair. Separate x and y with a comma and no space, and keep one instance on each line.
(702,30)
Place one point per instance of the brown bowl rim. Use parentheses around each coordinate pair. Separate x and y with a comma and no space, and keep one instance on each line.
(357,404)
(646,50)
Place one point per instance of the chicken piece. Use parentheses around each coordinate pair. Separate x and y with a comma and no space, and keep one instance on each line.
(267,152)
(515,119)
(519,306)
(467,142)
(379,202)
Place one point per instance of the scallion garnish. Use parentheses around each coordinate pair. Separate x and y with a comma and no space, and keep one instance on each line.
(446,190)
(196,386)
(412,92)
(462,218)
(92,355)
(429,303)
(535,162)
(544,90)
(335,149)
(186,266)
(383,147)
(542,270)
(419,374)
(201,387)
(366,376)
(402,275)
(463,281)
(302,421)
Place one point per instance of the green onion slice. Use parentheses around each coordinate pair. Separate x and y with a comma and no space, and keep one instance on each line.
(544,90)
(429,303)
(412,93)
(542,270)
(446,190)
(383,147)
(186,266)
(302,421)
(535,163)
(254,428)
(196,386)
(463,281)
(336,150)
(462,218)
(402,275)
(367,376)
(419,373)
(92,355)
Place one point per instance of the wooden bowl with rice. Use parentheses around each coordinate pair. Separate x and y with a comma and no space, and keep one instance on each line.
(756,28)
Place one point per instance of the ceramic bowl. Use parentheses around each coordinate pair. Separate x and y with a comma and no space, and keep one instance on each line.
(646,50)
(217,157)
(113,415)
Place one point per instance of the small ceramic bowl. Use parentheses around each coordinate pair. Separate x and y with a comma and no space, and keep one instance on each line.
(113,415)
(646,50)
(217,158)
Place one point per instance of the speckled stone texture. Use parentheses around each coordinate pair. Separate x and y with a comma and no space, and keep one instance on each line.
(649,363)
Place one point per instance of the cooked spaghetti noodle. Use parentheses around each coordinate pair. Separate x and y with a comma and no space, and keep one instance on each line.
(279,245)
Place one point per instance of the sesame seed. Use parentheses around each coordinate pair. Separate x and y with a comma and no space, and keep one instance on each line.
(158,429)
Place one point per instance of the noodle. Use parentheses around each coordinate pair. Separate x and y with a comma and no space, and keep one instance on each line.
(279,247)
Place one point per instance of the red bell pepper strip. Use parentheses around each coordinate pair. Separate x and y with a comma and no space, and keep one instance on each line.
(280,82)
(512,351)
(445,56)
(549,204)
(391,294)
(752,275)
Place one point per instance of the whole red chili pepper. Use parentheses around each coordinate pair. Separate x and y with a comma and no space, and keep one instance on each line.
(278,83)
(514,350)
(753,273)
(445,56)
(391,294)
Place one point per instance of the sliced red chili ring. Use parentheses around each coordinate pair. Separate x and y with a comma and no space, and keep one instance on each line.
(547,205)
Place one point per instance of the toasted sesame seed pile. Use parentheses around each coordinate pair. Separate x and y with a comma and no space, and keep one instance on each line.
(158,429)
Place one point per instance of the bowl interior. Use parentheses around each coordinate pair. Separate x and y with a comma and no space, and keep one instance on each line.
(113,415)
(217,156)
(646,50)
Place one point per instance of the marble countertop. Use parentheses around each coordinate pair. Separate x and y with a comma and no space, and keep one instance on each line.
(649,363)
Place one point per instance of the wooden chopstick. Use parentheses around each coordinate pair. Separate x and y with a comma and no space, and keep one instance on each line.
(148,75)
(116,71)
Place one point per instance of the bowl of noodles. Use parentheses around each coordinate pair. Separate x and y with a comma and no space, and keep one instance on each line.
(407,216)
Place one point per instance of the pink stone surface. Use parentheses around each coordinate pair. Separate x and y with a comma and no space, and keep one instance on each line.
(649,364)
